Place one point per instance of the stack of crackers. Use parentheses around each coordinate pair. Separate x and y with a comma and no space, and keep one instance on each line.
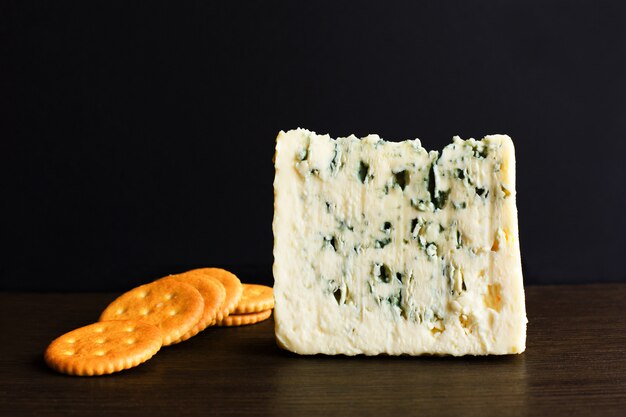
(167,311)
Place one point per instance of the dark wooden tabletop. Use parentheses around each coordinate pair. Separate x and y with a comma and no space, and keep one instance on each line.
(575,364)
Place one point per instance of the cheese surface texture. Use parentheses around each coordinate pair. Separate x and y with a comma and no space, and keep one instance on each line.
(384,247)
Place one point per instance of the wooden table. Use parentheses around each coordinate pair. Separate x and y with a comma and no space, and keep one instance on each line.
(575,364)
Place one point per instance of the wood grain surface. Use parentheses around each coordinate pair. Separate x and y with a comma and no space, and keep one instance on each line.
(575,365)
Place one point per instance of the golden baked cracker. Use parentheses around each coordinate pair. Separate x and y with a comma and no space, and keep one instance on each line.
(255,298)
(243,319)
(172,306)
(104,347)
(232,285)
(213,293)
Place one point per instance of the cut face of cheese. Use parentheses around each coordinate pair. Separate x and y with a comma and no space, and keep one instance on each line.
(383,247)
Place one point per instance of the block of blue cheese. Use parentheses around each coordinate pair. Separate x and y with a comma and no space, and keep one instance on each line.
(385,248)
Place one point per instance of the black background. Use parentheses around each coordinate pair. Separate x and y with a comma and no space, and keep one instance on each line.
(137,138)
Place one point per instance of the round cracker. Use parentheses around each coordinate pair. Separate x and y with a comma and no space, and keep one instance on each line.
(255,298)
(104,347)
(213,293)
(231,284)
(243,319)
(172,306)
